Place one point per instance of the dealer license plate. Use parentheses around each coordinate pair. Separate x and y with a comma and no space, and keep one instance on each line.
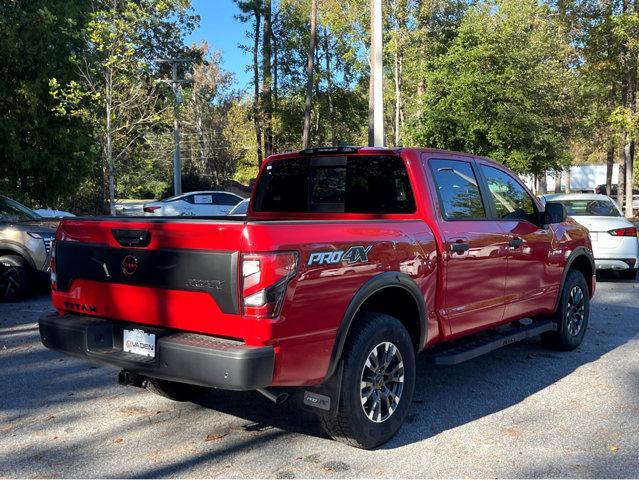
(139,342)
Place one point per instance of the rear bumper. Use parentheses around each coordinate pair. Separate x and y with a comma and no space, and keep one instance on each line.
(181,357)
(616,263)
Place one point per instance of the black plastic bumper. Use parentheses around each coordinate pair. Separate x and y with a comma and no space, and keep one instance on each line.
(181,357)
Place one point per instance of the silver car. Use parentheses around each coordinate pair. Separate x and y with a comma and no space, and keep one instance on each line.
(25,248)
(614,239)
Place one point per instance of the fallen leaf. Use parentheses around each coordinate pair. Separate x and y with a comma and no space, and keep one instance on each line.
(613,448)
(214,436)
(118,440)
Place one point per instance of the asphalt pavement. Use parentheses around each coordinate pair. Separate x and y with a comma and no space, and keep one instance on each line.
(522,411)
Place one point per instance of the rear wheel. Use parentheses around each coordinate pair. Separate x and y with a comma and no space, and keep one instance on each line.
(629,274)
(180,392)
(14,278)
(377,383)
(572,314)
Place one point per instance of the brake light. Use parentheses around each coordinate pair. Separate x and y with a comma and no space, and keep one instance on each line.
(151,209)
(54,277)
(265,277)
(624,232)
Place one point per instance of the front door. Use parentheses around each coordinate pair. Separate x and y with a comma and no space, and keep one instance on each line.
(475,248)
(533,270)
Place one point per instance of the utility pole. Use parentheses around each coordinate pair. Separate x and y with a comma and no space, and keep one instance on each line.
(176,86)
(376,72)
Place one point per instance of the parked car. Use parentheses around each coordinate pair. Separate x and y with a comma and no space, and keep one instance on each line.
(351,262)
(25,248)
(240,209)
(614,239)
(601,189)
(206,204)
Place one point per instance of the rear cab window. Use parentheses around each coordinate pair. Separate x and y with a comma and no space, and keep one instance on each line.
(367,184)
(457,190)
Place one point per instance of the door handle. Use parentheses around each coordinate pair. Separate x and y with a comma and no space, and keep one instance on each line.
(459,247)
(516,242)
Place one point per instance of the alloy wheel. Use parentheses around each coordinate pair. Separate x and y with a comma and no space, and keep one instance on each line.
(382,382)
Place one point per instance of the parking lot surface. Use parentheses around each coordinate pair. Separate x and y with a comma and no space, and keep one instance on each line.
(522,411)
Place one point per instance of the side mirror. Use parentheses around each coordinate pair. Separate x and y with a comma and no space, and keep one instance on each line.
(555,212)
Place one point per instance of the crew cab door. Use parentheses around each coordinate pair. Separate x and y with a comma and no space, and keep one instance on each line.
(532,277)
(475,249)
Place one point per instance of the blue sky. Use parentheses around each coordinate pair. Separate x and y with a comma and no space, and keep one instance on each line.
(223,32)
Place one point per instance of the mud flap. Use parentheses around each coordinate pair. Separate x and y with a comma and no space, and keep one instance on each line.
(323,399)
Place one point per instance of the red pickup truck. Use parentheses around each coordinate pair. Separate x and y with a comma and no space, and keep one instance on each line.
(349,262)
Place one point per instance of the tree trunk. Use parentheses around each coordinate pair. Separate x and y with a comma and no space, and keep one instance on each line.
(109,142)
(399,66)
(267,106)
(621,185)
(275,92)
(371,83)
(557,181)
(543,188)
(256,85)
(329,80)
(629,64)
(309,77)
(568,180)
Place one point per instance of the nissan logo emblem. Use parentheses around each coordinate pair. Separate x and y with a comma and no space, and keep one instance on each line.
(129,265)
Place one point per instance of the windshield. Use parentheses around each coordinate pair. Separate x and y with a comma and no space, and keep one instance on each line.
(590,208)
(11,211)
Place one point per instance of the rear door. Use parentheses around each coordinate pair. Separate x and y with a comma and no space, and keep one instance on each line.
(533,276)
(475,248)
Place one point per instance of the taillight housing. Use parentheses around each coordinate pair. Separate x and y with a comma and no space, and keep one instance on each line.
(151,209)
(624,232)
(265,277)
(52,266)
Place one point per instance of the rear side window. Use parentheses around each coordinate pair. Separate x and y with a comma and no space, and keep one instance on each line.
(225,199)
(457,189)
(511,200)
(335,184)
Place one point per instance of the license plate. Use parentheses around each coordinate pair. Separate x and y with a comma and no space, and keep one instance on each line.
(139,342)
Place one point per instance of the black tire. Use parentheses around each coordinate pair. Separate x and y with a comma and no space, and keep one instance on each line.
(179,392)
(14,278)
(572,314)
(629,274)
(351,425)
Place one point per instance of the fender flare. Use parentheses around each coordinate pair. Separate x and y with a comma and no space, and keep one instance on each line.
(19,250)
(372,286)
(580,251)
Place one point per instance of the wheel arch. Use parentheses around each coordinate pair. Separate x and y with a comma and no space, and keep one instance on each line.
(410,310)
(580,259)
(10,248)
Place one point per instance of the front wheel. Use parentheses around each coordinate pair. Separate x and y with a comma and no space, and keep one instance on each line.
(14,278)
(572,314)
(377,383)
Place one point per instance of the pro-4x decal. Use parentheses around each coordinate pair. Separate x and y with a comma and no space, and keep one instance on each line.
(355,254)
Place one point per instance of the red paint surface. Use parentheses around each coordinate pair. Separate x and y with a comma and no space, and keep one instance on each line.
(487,285)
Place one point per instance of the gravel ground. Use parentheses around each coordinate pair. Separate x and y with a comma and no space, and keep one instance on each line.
(523,411)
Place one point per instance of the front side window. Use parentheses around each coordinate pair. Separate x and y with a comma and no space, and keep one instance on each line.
(457,189)
(336,184)
(511,200)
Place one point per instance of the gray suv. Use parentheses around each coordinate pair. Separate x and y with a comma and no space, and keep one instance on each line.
(25,248)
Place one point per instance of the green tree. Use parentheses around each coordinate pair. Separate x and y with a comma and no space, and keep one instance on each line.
(503,89)
(44,156)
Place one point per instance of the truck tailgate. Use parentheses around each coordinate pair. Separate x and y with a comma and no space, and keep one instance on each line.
(175,273)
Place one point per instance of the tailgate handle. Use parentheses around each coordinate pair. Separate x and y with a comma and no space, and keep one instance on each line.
(132,238)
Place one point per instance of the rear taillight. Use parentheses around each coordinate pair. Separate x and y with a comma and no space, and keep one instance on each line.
(265,277)
(54,277)
(151,209)
(624,232)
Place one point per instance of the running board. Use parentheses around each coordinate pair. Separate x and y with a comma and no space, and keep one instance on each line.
(475,348)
